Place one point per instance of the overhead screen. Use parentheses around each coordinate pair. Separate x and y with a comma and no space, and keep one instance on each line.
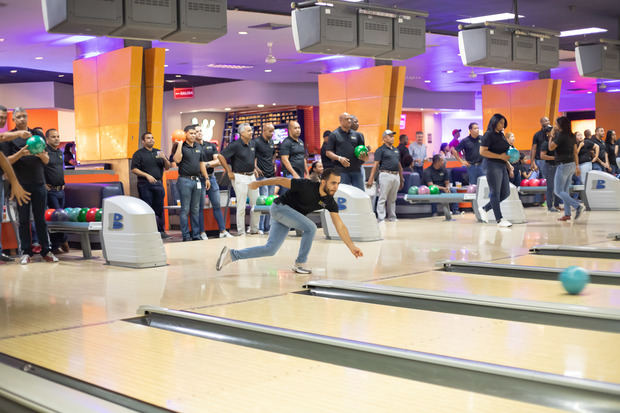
(191,21)
(358,31)
(507,48)
(598,60)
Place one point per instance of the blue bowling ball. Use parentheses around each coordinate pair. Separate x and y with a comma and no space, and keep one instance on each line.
(514,155)
(574,279)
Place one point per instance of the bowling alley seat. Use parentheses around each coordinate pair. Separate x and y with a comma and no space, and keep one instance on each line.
(91,195)
(403,208)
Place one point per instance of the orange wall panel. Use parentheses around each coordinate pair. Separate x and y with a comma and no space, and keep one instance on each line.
(329,112)
(87,143)
(608,111)
(119,68)
(154,60)
(119,105)
(332,87)
(397,90)
(86,110)
(114,140)
(368,83)
(370,111)
(85,76)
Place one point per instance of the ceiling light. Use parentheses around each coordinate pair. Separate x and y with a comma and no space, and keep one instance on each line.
(61,75)
(167,50)
(590,92)
(267,70)
(427,81)
(260,106)
(38,58)
(577,32)
(449,71)
(1,39)
(489,18)
(178,76)
(227,109)
(243,33)
(165,65)
(572,81)
(13,71)
(227,66)
(274,103)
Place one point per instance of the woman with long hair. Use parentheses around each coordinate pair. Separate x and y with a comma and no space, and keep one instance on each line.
(564,143)
(611,144)
(494,146)
(316,170)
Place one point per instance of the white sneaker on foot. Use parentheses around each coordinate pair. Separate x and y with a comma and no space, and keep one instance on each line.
(225,234)
(483,215)
(203,236)
(25,259)
(261,232)
(49,257)
(300,269)
(504,223)
(224,259)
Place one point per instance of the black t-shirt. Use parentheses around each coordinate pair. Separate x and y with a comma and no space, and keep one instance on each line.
(304,197)
(496,142)
(296,154)
(241,155)
(147,161)
(264,156)
(602,149)
(190,162)
(29,169)
(403,151)
(343,144)
(565,151)
(539,138)
(436,176)
(471,148)
(209,150)
(585,153)
(54,170)
(610,148)
(388,158)
(327,163)
(545,148)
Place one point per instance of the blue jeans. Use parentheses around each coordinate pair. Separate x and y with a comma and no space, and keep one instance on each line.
(563,177)
(499,187)
(38,200)
(267,190)
(552,200)
(473,172)
(283,218)
(585,168)
(153,195)
(190,198)
(352,178)
(596,166)
(214,197)
(201,205)
(56,200)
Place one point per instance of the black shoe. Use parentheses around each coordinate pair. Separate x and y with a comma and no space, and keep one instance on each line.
(164,235)
(578,211)
(6,258)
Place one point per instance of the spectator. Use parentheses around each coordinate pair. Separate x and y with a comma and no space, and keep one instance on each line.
(403,150)
(327,163)
(417,150)
(407,163)
(470,147)
(437,174)
(316,170)
(456,134)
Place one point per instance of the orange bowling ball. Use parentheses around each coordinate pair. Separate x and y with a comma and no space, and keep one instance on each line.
(178,136)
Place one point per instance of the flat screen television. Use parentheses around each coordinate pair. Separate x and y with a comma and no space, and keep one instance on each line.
(279,135)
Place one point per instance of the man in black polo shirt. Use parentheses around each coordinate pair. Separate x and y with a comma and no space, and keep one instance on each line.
(601,162)
(242,156)
(55,185)
(29,170)
(293,153)
(190,160)
(539,137)
(327,163)
(149,164)
(265,167)
(289,211)
(387,161)
(470,147)
(547,155)
(210,152)
(341,149)
(437,174)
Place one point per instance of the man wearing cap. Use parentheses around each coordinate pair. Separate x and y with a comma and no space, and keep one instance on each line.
(456,134)
(387,160)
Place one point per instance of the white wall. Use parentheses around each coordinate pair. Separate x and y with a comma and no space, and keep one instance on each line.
(35,95)
(460,120)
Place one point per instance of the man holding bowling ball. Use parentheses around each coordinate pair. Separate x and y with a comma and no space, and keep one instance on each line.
(55,185)
(29,170)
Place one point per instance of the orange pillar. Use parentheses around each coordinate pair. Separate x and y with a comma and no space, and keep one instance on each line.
(607,112)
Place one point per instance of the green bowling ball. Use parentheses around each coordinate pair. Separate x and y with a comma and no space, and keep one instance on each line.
(98,215)
(360,151)
(36,144)
(270,199)
(82,215)
(413,190)
(261,200)
(434,189)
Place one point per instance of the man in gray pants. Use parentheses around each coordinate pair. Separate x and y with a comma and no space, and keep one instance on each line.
(387,160)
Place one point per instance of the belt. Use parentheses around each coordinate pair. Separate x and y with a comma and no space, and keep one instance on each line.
(56,187)
(389,172)
(192,177)
(245,173)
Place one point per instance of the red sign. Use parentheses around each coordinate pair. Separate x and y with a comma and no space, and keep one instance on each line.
(183,92)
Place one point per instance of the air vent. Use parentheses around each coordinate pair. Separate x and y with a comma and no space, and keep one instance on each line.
(347,24)
(376,27)
(500,42)
(410,31)
(155,3)
(576,89)
(207,8)
(527,45)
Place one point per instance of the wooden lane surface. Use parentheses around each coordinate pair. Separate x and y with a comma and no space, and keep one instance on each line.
(564,351)
(594,295)
(191,374)
(595,264)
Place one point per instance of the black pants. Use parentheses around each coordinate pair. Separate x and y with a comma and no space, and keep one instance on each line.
(56,200)
(153,194)
(38,200)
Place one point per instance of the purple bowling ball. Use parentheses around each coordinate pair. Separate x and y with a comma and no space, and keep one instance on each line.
(471,189)
(424,190)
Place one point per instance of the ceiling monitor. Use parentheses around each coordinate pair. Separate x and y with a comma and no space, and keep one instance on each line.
(524,50)
(148,19)
(325,29)
(548,52)
(200,21)
(599,60)
(375,35)
(486,47)
(409,34)
(88,17)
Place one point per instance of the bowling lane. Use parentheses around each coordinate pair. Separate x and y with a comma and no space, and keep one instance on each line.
(594,264)
(594,295)
(191,374)
(565,351)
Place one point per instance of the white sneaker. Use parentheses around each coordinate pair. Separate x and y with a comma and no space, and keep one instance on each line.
(483,215)
(300,269)
(25,259)
(49,257)
(225,234)
(261,232)
(224,259)
(504,223)
(203,236)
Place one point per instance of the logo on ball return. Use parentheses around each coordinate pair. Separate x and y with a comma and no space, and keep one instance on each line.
(342,203)
(598,184)
(116,221)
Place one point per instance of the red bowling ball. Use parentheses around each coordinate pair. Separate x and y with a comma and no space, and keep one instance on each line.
(543,182)
(534,182)
(525,182)
(91,215)
(48,214)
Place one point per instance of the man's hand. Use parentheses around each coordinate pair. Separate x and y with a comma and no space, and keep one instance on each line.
(207,184)
(504,157)
(465,163)
(364,156)
(344,161)
(356,251)
(23,152)
(161,155)
(534,166)
(19,194)
(258,173)
(231,176)
(150,179)
(402,184)
(511,173)
(253,185)
(24,134)
(368,184)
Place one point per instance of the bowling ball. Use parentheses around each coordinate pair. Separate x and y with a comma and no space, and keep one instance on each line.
(543,182)
(514,155)
(48,214)
(471,189)
(82,215)
(73,214)
(261,200)
(574,279)
(423,190)
(360,151)
(534,182)
(413,190)
(98,214)
(178,135)
(270,199)
(433,189)
(36,144)
(63,216)
(524,182)
(56,216)
(90,215)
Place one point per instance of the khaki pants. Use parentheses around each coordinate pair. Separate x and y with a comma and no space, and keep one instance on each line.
(388,189)
(242,192)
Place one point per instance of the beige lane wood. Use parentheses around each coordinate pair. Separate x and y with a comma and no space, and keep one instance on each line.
(191,374)
(594,264)
(594,295)
(564,351)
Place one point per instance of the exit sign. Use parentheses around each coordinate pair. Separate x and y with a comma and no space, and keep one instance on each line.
(183,92)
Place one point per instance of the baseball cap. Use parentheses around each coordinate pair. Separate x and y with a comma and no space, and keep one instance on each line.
(454,131)
(388,132)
